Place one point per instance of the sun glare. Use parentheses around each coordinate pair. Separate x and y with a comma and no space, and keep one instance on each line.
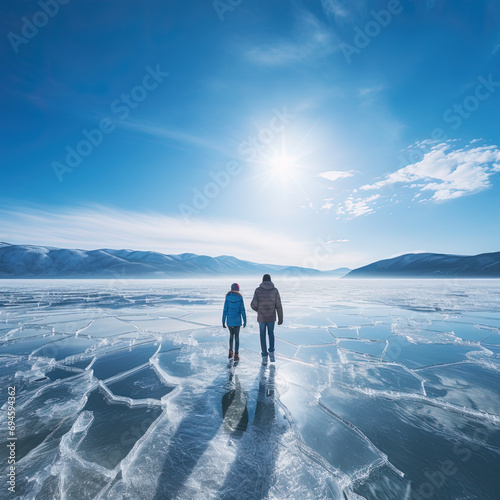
(285,163)
(283,166)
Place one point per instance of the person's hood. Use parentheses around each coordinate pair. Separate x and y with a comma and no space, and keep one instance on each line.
(267,285)
(233,296)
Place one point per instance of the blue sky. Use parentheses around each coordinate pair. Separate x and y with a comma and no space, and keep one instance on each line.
(324,133)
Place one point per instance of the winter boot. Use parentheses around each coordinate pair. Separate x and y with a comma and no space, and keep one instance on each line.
(236,357)
(271,356)
(231,354)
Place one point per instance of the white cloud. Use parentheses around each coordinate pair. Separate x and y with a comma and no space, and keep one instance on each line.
(448,173)
(334,175)
(101,227)
(355,207)
(337,241)
(312,40)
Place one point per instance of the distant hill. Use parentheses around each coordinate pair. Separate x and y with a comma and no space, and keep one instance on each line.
(431,265)
(338,273)
(31,261)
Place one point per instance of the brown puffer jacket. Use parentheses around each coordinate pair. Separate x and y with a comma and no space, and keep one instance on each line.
(266,301)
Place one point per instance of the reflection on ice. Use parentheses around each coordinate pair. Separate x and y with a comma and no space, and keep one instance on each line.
(64,348)
(465,384)
(123,360)
(338,443)
(305,335)
(373,347)
(106,327)
(416,355)
(128,392)
(418,436)
(371,376)
(492,339)
(107,443)
(327,354)
(27,346)
(142,384)
(51,407)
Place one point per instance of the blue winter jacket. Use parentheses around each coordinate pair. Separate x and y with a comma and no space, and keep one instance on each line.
(234,309)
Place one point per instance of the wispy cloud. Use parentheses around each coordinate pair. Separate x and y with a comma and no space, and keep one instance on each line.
(342,10)
(370,91)
(95,227)
(335,8)
(334,175)
(177,136)
(355,207)
(446,172)
(312,40)
(327,204)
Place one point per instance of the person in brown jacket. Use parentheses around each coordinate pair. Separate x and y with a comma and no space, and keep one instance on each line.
(267,301)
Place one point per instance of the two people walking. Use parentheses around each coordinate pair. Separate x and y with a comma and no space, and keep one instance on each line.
(267,303)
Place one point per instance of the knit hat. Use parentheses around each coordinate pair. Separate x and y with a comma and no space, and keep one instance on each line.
(235,287)
(266,277)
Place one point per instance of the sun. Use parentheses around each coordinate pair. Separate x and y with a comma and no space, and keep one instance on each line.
(283,166)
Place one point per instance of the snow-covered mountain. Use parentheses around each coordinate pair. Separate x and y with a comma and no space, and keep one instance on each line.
(431,265)
(31,261)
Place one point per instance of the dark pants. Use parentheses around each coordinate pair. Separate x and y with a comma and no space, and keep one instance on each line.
(270,332)
(234,333)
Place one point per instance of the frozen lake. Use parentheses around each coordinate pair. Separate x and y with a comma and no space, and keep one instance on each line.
(381,389)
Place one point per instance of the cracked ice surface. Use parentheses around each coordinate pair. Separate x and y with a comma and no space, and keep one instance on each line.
(381,389)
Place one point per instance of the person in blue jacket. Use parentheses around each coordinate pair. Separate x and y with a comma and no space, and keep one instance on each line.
(234,312)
